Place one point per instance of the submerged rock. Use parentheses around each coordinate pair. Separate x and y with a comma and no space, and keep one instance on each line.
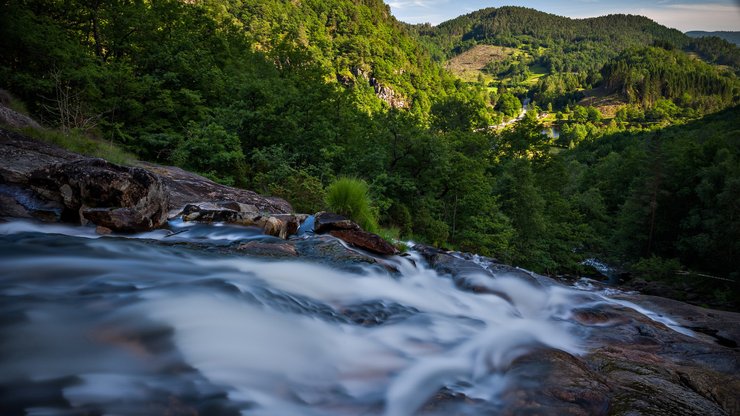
(265,249)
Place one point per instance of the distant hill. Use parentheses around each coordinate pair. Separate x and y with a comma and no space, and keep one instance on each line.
(554,58)
(562,44)
(733,37)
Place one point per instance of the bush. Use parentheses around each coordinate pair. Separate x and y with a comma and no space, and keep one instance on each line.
(656,268)
(213,152)
(350,197)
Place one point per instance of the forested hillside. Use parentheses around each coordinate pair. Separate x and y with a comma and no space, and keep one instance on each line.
(285,97)
(732,37)
(561,43)
(561,56)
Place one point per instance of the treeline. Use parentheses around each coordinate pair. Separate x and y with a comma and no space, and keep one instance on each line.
(220,87)
(647,75)
(672,193)
(575,51)
(717,50)
(560,43)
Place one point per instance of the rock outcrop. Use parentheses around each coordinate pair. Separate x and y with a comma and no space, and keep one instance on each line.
(351,233)
(42,181)
(12,118)
(631,364)
(278,225)
(120,198)
(189,188)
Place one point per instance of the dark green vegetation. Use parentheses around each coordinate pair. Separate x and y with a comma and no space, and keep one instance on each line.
(286,97)
(730,36)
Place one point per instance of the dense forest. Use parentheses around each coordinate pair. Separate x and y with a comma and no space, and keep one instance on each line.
(732,37)
(572,52)
(286,97)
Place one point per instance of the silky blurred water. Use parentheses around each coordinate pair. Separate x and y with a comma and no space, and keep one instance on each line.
(165,322)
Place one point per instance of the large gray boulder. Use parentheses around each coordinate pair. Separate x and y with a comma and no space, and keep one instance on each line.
(189,188)
(120,198)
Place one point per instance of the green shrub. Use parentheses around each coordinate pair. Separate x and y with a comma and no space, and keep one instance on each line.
(350,197)
(656,268)
(304,191)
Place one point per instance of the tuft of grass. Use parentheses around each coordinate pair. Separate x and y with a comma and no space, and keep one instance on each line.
(350,197)
(77,142)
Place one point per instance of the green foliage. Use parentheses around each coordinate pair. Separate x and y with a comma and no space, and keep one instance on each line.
(509,105)
(282,97)
(212,151)
(350,197)
(647,75)
(304,191)
(656,268)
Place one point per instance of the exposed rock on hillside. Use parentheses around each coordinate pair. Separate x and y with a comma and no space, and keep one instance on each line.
(46,182)
(11,117)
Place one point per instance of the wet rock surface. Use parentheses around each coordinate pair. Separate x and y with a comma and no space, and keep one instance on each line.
(633,365)
(366,241)
(350,232)
(327,221)
(278,225)
(460,266)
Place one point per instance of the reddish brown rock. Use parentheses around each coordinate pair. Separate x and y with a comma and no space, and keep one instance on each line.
(365,240)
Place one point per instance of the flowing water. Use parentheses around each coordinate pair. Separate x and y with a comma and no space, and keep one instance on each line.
(173,322)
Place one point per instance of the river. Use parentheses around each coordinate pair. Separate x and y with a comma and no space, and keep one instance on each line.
(174,322)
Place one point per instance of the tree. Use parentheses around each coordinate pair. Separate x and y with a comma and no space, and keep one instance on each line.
(509,105)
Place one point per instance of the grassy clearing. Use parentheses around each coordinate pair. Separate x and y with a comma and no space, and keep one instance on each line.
(538,71)
(469,64)
(607,104)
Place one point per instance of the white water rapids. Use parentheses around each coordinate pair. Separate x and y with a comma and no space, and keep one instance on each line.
(129,326)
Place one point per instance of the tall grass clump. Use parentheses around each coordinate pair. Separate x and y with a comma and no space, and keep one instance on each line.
(350,197)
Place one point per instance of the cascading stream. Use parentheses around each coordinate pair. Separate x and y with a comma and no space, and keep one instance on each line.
(129,325)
